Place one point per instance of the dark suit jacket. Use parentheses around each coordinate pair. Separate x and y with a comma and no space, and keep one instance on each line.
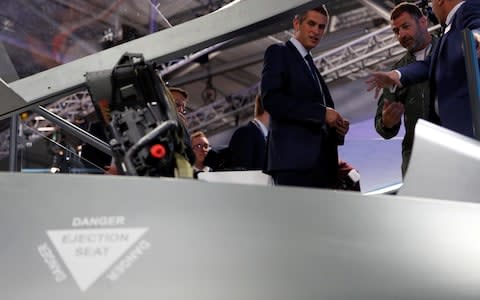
(298,138)
(247,147)
(447,73)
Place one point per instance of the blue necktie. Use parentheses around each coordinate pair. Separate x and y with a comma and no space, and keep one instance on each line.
(313,69)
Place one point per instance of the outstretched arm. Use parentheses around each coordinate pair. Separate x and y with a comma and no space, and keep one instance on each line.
(380,80)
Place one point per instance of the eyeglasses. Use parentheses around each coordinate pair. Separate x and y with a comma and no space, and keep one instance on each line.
(202,146)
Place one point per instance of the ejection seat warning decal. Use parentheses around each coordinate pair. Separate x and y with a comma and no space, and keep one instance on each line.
(88,253)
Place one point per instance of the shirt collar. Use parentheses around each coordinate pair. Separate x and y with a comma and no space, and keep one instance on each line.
(303,52)
(452,13)
(262,127)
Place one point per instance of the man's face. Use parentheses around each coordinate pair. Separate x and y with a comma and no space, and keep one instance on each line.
(180,102)
(200,147)
(410,32)
(309,32)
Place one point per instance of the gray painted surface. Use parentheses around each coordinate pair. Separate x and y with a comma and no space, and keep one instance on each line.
(220,241)
(9,100)
(444,165)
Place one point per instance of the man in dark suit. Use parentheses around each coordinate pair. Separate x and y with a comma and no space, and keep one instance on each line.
(445,68)
(305,129)
(247,145)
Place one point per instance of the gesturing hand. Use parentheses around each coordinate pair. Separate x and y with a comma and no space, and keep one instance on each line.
(392,113)
(379,80)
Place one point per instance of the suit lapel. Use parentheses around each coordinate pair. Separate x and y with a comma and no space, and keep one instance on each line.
(326,93)
(435,56)
(300,61)
(442,42)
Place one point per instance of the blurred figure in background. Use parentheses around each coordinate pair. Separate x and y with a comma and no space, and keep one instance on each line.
(180,96)
(200,146)
(180,99)
(247,145)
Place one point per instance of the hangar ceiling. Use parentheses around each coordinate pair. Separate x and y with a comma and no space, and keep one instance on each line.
(222,80)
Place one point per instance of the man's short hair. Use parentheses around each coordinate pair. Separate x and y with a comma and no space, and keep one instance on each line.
(179,90)
(197,134)
(321,9)
(406,7)
(258,110)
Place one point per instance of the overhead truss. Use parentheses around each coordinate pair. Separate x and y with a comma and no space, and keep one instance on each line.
(363,53)
(360,54)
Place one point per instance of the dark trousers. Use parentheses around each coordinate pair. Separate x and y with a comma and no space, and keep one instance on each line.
(304,178)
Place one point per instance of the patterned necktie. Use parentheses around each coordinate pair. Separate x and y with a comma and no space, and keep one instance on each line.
(313,69)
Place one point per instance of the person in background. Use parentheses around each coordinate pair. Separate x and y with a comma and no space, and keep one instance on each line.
(411,29)
(305,128)
(180,96)
(180,99)
(200,146)
(247,145)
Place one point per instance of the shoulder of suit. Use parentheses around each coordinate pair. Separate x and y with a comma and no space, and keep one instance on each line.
(276,49)
(253,127)
(249,127)
(470,6)
(242,129)
(467,14)
(277,46)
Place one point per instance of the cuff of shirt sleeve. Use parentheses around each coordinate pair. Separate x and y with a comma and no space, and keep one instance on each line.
(394,88)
